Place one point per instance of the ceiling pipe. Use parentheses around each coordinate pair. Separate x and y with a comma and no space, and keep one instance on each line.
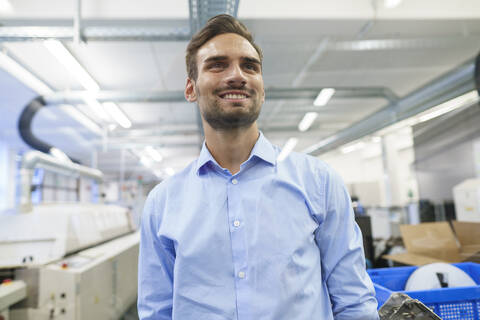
(77,23)
(448,86)
(200,11)
(477,73)
(93,33)
(77,97)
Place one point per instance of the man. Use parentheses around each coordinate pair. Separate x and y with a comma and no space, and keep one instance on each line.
(238,234)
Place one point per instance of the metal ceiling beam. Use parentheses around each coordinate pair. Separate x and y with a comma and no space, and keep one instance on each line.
(118,144)
(448,86)
(157,133)
(137,30)
(202,10)
(94,33)
(77,97)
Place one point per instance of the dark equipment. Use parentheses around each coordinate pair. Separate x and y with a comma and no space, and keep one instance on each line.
(401,307)
(366,227)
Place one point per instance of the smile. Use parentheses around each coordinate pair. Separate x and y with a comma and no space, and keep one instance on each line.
(234,96)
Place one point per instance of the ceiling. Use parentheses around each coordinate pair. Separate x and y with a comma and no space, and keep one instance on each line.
(312,44)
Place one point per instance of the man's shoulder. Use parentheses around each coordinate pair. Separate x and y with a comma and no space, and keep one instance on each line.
(306,162)
(173,183)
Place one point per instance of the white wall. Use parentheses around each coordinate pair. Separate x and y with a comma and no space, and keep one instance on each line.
(364,173)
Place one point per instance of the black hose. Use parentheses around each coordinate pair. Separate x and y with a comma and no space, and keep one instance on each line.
(25,129)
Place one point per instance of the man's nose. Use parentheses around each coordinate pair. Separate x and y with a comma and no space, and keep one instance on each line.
(236,78)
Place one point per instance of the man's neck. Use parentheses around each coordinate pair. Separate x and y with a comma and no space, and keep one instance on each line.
(233,147)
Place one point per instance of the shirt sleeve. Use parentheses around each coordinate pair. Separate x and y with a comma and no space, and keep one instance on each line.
(343,262)
(155,265)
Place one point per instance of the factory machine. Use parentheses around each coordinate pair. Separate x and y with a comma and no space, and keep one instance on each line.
(66,261)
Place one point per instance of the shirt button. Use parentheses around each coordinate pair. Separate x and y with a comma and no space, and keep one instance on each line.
(241,274)
(236,223)
(234,181)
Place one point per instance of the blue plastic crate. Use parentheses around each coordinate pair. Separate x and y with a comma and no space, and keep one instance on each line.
(449,303)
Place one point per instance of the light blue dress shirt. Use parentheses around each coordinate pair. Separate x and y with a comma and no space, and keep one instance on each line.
(276,241)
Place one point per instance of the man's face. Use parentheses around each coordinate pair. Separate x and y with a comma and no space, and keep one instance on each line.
(229,87)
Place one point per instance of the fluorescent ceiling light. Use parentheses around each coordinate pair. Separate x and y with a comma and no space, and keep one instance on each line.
(6,6)
(22,74)
(65,57)
(390,4)
(82,119)
(97,108)
(147,162)
(287,148)
(117,114)
(353,147)
(31,81)
(76,69)
(323,97)
(153,153)
(450,105)
(307,121)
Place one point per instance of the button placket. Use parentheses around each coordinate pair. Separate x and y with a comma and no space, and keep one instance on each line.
(237,236)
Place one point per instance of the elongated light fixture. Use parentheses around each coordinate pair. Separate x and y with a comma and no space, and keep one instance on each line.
(81,118)
(390,4)
(37,85)
(97,108)
(307,121)
(323,97)
(83,77)
(287,148)
(71,64)
(6,7)
(117,114)
(22,74)
(153,153)
(450,105)
(353,147)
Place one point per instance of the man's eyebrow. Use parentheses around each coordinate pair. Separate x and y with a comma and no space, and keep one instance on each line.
(222,58)
(252,60)
(215,58)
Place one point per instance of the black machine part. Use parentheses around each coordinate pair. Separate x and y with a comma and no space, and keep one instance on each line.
(401,307)
(25,123)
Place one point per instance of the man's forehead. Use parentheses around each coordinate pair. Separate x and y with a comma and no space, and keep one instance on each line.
(229,45)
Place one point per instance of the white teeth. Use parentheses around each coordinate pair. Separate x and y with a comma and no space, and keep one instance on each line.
(234,96)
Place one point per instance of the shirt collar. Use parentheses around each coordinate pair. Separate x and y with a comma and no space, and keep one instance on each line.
(262,149)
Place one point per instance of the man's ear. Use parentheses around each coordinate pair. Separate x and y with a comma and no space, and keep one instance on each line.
(190,93)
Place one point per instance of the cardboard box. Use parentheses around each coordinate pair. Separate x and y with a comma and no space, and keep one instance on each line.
(436,242)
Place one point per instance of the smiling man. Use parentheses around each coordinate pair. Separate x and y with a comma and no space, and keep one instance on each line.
(238,234)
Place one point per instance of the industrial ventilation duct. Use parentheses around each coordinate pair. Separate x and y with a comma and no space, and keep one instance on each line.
(477,73)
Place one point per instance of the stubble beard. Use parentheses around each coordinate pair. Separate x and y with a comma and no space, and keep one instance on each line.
(220,120)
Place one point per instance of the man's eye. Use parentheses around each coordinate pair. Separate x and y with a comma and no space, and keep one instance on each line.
(250,66)
(217,65)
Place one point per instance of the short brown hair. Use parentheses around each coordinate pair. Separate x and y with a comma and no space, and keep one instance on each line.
(220,24)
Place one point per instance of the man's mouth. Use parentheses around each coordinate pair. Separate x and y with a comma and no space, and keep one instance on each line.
(234,96)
